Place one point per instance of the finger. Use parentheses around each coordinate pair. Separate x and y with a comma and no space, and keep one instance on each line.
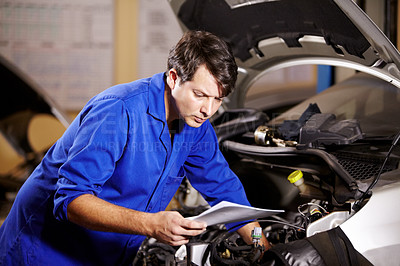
(191,232)
(176,240)
(186,231)
(194,225)
(179,242)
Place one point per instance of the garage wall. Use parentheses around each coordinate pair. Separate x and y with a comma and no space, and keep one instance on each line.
(398,24)
(126,45)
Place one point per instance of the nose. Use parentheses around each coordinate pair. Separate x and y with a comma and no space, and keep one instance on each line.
(208,107)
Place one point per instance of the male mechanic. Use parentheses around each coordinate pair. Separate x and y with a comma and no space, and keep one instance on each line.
(104,185)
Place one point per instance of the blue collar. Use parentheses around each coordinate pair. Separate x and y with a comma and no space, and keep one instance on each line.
(156,97)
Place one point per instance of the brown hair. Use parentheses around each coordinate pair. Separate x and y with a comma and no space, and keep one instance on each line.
(196,48)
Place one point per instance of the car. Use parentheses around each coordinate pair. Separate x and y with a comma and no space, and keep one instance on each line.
(25,110)
(330,162)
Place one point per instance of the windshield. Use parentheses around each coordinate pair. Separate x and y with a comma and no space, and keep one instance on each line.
(373,102)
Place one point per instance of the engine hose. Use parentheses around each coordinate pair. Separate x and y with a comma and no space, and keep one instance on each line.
(237,248)
(214,254)
(162,246)
(274,227)
(257,255)
(159,253)
(208,236)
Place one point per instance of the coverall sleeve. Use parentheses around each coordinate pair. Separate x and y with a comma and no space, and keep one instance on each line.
(209,173)
(98,144)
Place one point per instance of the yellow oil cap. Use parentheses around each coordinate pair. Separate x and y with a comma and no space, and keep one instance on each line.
(295,176)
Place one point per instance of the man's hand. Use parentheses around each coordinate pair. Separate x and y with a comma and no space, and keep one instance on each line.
(167,226)
(172,228)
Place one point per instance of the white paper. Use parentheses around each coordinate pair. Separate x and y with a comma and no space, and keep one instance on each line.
(228,212)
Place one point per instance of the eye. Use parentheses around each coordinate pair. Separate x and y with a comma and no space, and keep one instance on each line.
(198,93)
(218,100)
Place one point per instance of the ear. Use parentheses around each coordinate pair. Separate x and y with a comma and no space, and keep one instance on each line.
(172,78)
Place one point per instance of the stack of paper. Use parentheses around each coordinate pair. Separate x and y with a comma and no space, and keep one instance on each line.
(228,212)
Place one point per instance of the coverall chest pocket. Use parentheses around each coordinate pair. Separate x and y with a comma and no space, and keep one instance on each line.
(171,186)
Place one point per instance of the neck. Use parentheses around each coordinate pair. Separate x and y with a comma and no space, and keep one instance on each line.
(170,111)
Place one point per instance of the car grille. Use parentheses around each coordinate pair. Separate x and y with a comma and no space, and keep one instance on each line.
(364,166)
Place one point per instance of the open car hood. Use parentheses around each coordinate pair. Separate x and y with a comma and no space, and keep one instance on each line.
(22,99)
(267,35)
(23,104)
(22,94)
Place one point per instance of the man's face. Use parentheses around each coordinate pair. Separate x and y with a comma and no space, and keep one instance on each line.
(196,100)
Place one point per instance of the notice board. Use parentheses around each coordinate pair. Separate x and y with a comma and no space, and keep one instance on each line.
(66,47)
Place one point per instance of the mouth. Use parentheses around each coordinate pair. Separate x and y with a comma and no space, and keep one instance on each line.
(199,120)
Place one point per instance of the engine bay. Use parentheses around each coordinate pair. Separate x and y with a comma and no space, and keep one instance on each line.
(318,169)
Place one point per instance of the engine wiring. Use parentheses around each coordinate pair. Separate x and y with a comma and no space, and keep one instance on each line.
(283,223)
(229,249)
(226,247)
(357,204)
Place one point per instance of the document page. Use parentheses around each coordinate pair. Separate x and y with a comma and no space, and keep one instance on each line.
(228,212)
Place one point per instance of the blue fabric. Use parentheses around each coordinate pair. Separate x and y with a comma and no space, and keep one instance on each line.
(119,149)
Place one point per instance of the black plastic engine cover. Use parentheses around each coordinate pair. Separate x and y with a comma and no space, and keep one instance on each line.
(323,129)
